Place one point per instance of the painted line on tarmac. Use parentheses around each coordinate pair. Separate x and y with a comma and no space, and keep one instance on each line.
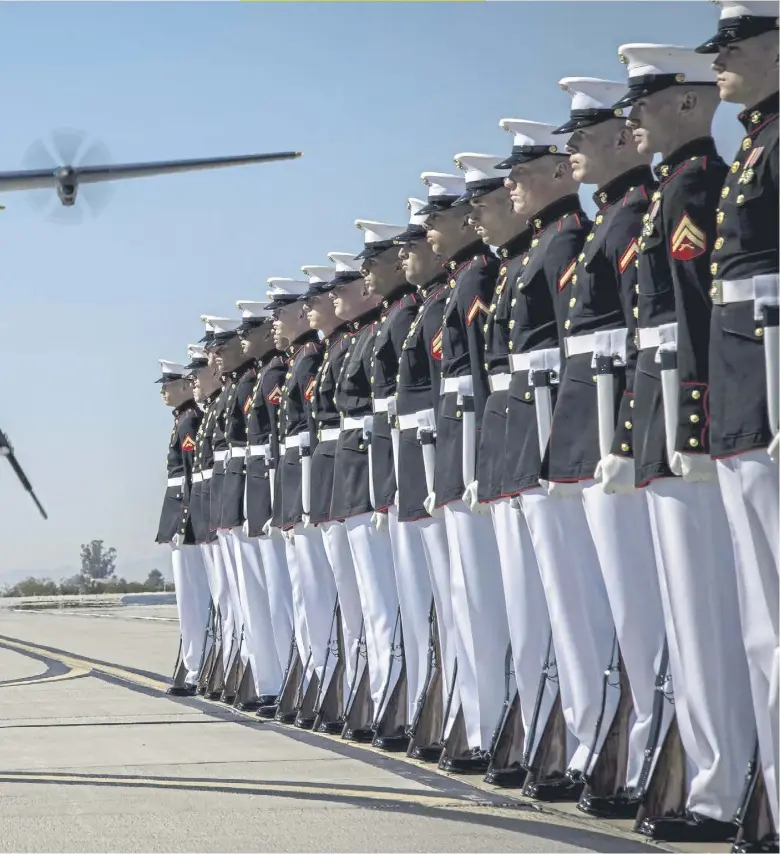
(580,833)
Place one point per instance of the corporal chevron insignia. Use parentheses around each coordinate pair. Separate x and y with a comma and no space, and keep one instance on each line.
(436,344)
(248,406)
(275,396)
(688,240)
(476,307)
(187,443)
(567,274)
(628,256)
(310,386)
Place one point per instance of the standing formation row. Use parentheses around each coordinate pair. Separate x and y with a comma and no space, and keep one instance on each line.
(515,510)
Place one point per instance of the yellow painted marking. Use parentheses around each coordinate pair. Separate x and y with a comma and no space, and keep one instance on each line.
(80,662)
(424,798)
(71,674)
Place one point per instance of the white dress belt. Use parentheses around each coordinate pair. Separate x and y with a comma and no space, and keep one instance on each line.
(351,424)
(578,345)
(381,404)
(648,337)
(220,456)
(236,452)
(200,476)
(328,434)
(499,382)
(726,291)
(176,481)
(292,442)
(453,384)
(256,450)
(520,362)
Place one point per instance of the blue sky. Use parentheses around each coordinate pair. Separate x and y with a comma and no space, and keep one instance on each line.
(372,94)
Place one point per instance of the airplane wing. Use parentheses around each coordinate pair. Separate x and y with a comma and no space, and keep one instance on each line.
(42,178)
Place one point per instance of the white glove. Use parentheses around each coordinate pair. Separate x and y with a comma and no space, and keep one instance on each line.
(561,490)
(471,500)
(516,503)
(616,474)
(774,448)
(306,518)
(694,468)
(395,500)
(430,506)
(381,521)
(245,527)
(178,541)
(288,535)
(271,532)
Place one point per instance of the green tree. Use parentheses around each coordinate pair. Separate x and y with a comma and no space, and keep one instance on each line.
(97,562)
(155,581)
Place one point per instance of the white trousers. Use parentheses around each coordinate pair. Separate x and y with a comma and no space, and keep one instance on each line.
(749,486)
(433,533)
(299,612)
(192,602)
(225,540)
(256,613)
(583,633)
(620,527)
(529,622)
(277,581)
(414,597)
(319,597)
(336,542)
(222,592)
(373,559)
(709,670)
(481,629)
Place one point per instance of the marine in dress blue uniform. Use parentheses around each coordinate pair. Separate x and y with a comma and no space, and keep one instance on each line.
(496,224)
(428,634)
(599,330)
(261,410)
(481,632)
(347,658)
(189,573)
(671,437)
(744,355)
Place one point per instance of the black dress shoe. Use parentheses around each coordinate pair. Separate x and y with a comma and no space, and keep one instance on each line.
(687,828)
(362,735)
(214,695)
(182,690)
(511,777)
(766,845)
(619,805)
(566,788)
(227,698)
(392,743)
(289,718)
(304,723)
(266,712)
(331,727)
(427,752)
(474,762)
(267,700)
(248,705)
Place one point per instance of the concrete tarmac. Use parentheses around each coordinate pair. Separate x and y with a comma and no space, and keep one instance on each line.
(95,757)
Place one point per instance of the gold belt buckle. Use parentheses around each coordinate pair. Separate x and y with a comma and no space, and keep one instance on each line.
(716,291)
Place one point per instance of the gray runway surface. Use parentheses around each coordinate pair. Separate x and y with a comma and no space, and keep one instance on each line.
(95,757)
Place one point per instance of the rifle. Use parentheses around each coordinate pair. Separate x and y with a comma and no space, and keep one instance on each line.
(6,450)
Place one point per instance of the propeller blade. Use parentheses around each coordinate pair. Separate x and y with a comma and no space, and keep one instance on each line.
(96,174)
(66,144)
(39,158)
(65,215)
